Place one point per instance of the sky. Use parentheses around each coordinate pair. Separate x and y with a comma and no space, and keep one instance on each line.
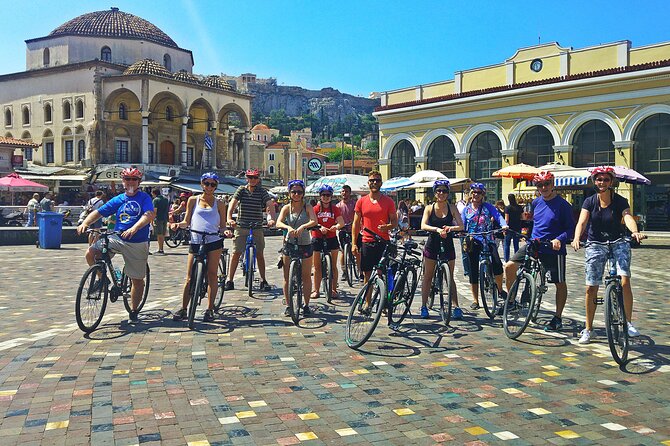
(355,46)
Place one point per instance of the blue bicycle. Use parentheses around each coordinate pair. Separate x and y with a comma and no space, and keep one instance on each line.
(249,260)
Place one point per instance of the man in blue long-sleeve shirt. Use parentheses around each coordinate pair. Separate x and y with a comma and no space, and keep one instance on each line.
(552,221)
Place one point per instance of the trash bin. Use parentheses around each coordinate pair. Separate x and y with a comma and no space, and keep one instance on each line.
(50,229)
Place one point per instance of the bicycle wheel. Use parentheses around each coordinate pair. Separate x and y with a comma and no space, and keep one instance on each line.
(445,292)
(615,324)
(537,300)
(199,290)
(349,262)
(326,275)
(125,286)
(91,298)
(402,296)
(519,305)
(488,289)
(363,319)
(221,280)
(174,238)
(251,264)
(295,290)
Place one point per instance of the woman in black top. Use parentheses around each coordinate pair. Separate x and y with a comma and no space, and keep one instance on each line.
(513,218)
(439,219)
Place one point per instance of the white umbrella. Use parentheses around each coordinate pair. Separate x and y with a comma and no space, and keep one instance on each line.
(358,184)
(455,185)
(427,175)
(395,184)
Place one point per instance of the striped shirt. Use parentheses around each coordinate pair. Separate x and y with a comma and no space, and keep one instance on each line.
(251,205)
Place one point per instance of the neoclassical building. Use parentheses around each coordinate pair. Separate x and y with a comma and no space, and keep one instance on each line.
(608,104)
(109,87)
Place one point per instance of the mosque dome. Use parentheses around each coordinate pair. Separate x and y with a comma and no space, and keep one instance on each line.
(185,76)
(218,82)
(148,66)
(260,127)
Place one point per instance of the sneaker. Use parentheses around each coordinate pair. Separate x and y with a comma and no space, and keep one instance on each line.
(632,331)
(265,286)
(132,317)
(424,312)
(306,310)
(287,312)
(229,285)
(458,314)
(179,314)
(585,336)
(160,252)
(555,324)
(474,306)
(208,315)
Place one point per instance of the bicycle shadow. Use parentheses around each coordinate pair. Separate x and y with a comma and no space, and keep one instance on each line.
(148,320)
(652,356)
(323,314)
(388,349)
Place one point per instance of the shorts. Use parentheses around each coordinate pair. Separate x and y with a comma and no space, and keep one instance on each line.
(297,251)
(240,240)
(473,257)
(432,249)
(135,255)
(193,248)
(596,258)
(160,227)
(554,264)
(342,235)
(331,244)
(371,254)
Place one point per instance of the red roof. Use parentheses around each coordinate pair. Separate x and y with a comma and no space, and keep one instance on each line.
(279,145)
(19,143)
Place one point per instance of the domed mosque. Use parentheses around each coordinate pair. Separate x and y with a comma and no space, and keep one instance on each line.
(121,91)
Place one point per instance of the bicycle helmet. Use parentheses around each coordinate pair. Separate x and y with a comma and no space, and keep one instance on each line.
(609,170)
(253,172)
(543,176)
(479,186)
(439,183)
(296,183)
(131,172)
(209,176)
(326,188)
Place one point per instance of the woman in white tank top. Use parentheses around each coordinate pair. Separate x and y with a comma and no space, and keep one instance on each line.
(204,213)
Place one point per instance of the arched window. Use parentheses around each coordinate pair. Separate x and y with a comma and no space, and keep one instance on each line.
(25,111)
(106,54)
(8,117)
(47,113)
(484,160)
(402,160)
(271,170)
(81,150)
(441,156)
(79,109)
(652,144)
(592,145)
(67,111)
(167,62)
(168,113)
(271,156)
(123,111)
(536,146)
(46,57)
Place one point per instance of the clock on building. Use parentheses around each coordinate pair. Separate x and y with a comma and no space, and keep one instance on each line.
(536,65)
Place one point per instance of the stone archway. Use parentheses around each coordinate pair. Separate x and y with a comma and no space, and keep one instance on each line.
(166,155)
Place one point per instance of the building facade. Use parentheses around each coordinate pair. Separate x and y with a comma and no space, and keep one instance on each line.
(592,106)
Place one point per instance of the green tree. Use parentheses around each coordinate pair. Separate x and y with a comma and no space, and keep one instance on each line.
(372,149)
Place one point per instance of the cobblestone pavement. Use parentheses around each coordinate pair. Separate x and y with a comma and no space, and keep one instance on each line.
(251,377)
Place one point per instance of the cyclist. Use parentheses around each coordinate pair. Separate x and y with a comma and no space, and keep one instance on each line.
(602,214)
(295,218)
(252,199)
(134,212)
(439,219)
(377,213)
(479,216)
(346,207)
(552,220)
(204,213)
(330,219)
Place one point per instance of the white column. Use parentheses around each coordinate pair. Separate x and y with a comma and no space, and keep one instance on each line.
(212,134)
(145,137)
(184,123)
(247,155)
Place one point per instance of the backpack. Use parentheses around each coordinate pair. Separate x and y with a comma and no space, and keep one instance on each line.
(88,208)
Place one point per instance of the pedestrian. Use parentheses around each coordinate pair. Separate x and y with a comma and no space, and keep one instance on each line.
(94,204)
(32,209)
(513,218)
(47,203)
(346,206)
(161,205)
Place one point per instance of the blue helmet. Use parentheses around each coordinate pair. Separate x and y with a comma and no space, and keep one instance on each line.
(439,183)
(325,188)
(296,183)
(209,176)
(479,186)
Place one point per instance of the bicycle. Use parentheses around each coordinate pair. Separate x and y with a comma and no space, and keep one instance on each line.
(94,287)
(441,284)
(350,264)
(176,237)
(222,275)
(249,261)
(488,289)
(616,324)
(530,285)
(295,284)
(198,285)
(392,288)
(326,266)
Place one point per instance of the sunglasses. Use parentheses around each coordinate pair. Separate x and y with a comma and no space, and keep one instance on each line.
(297,192)
(375,180)
(326,195)
(442,191)
(604,179)
(209,184)
(544,184)
(476,192)
(131,179)
(252,178)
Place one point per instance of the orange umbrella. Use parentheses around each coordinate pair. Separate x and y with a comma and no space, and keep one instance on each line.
(518,171)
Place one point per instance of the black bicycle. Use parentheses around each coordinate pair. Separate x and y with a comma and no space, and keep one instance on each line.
(176,237)
(326,267)
(441,284)
(525,294)
(199,283)
(488,289)
(295,293)
(100,281)
(391,288)
(222,275)
(351,270)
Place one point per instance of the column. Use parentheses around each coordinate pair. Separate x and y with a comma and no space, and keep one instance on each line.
(385,168)
(421,164)
(145,137)
(247,155)
(212,133)
(508,159)
(184,123)
(563,154)
(623,156)
(462,168)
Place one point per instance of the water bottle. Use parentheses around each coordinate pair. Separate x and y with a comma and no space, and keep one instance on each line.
(390,276)
(117,274)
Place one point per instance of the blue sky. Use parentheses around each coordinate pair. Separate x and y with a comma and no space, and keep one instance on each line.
(356,46)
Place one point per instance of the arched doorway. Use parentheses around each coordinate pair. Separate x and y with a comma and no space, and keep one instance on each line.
(403,165)
(593,145)
(651,156)
(485,159)
(536,146)
(166,153)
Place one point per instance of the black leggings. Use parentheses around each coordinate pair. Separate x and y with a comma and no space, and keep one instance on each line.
(473,256)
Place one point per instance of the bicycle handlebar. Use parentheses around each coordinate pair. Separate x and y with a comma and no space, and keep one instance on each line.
(625,238)
(461,234)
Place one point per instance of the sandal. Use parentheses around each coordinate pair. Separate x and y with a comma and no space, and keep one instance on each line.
(314,295)
(474,306)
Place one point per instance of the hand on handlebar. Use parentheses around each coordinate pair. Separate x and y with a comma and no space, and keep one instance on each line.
(556,244)
(232,223)
(638,236)
(576,244)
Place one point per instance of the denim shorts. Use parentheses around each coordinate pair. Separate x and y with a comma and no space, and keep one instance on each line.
(596,259)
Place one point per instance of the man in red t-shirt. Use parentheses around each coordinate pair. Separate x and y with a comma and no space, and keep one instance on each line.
(329,217)
(375,212)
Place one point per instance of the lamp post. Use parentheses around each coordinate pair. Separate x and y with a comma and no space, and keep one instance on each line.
(346,135)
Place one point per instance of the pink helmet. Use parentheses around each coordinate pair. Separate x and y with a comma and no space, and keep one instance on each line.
(603,169)
(131,172)
(543,176)
(253,172)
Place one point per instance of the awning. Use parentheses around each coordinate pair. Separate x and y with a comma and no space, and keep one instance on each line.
(56,177)
(155,183)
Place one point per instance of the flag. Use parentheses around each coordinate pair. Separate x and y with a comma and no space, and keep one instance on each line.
(209,145)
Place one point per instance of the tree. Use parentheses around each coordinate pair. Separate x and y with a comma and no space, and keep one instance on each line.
(373,149)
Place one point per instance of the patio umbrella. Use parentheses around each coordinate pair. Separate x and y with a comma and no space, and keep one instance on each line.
(518,171)
(455,184)
(395,184)
(358,184)
(427,175)
(14,183)
(628,175)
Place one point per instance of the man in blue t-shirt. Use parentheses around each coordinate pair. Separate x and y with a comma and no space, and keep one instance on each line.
(134,211)
(552,222)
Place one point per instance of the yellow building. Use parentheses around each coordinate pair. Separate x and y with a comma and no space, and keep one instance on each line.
(606,104)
